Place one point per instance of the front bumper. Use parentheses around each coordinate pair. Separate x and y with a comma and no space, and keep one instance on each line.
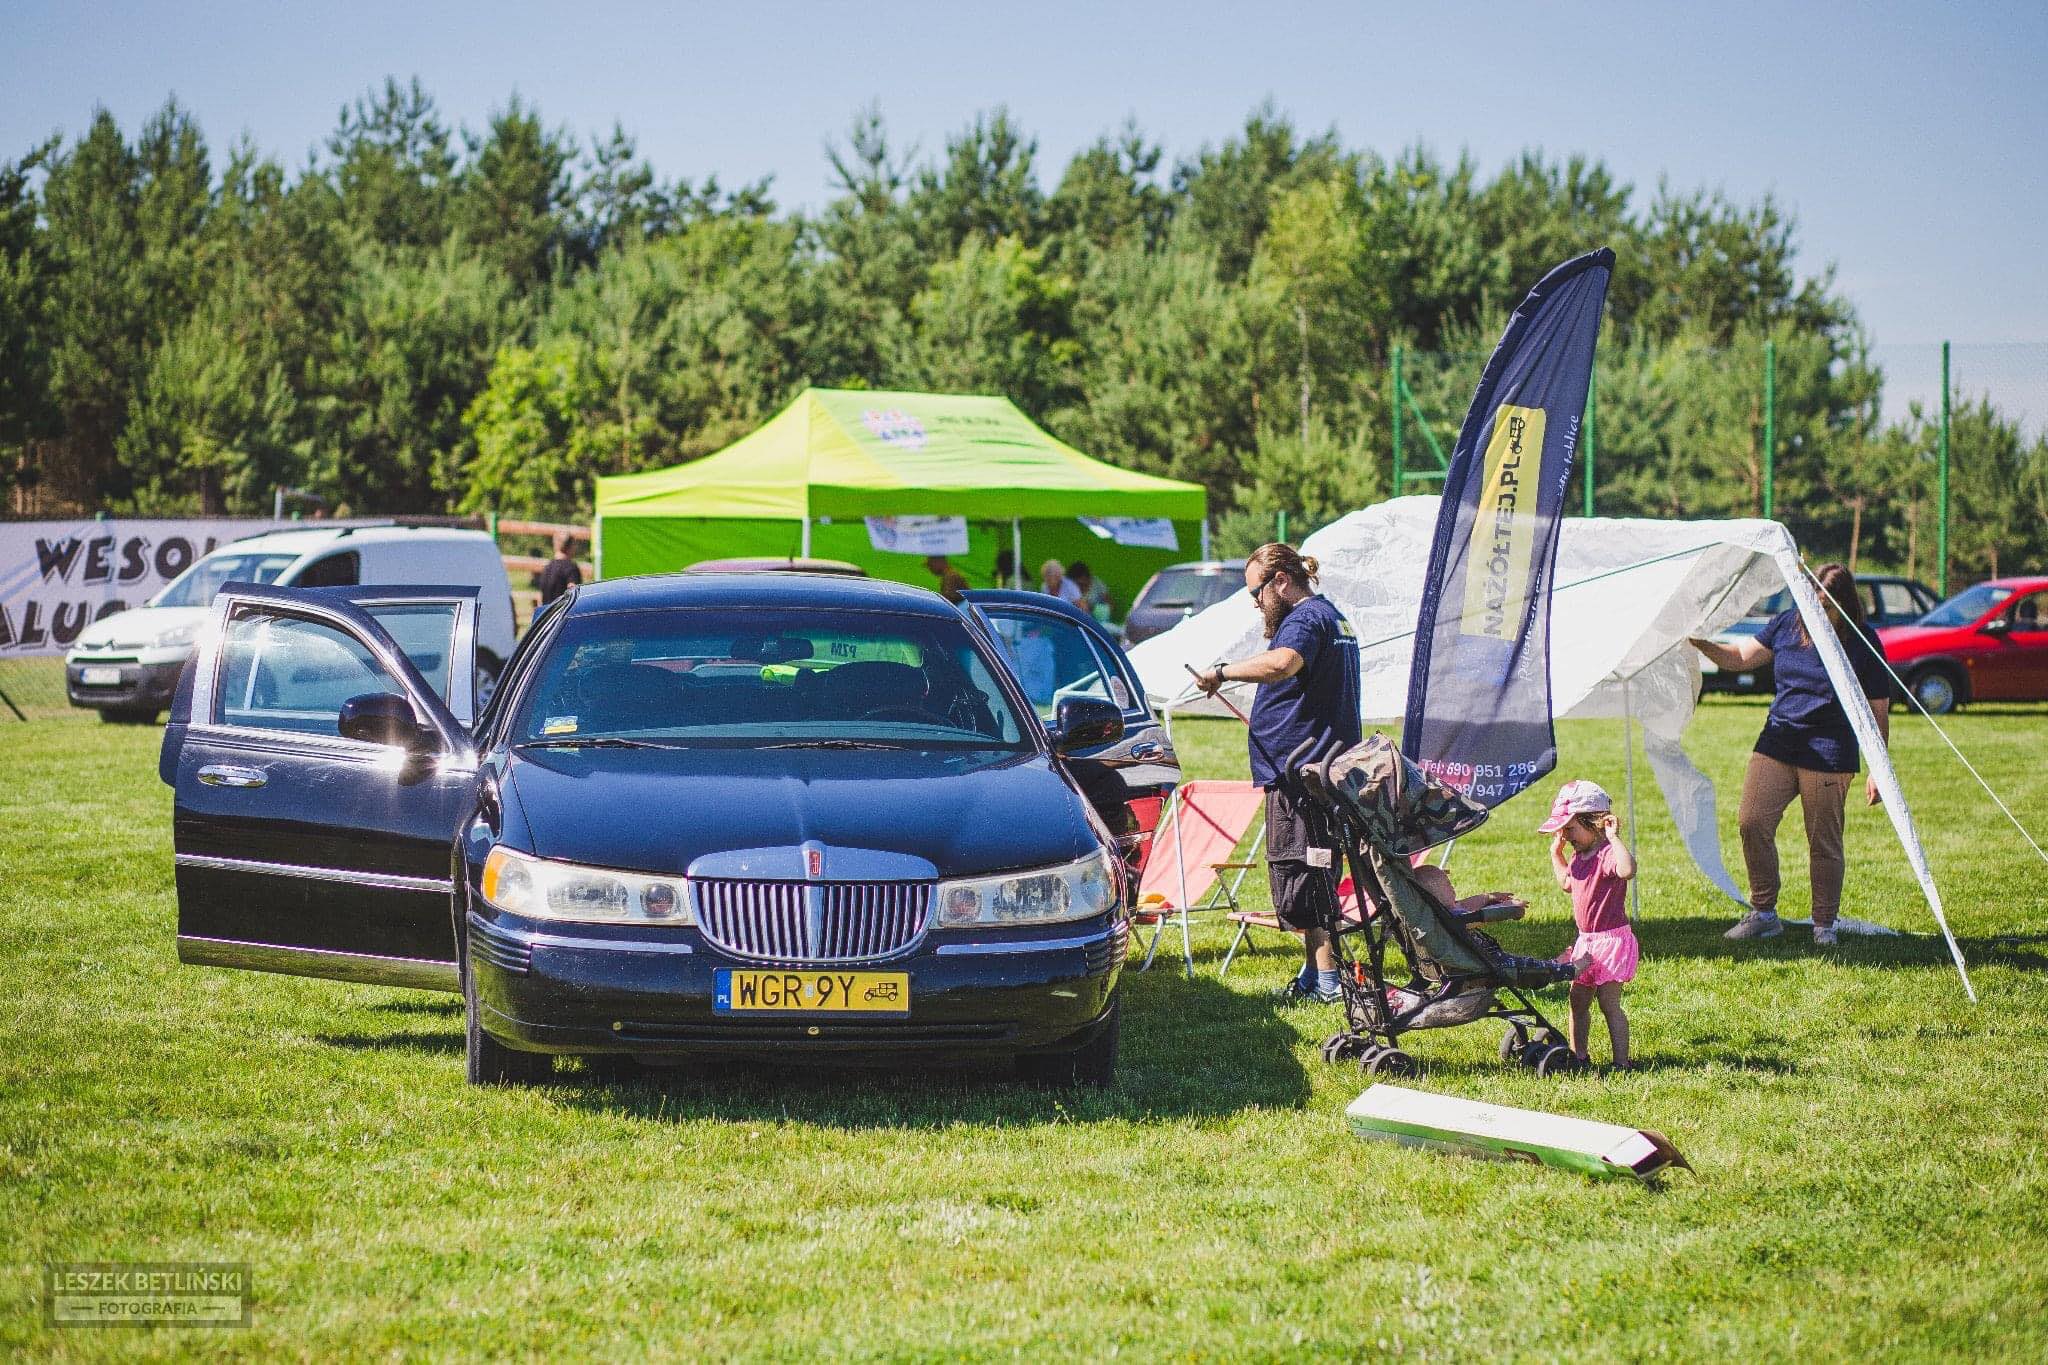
(139,685)
(578,989)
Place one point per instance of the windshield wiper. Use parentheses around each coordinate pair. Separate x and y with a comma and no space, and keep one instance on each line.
(835,744)
(593,742)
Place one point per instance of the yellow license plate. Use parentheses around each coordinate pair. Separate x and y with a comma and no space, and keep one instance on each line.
(739,992)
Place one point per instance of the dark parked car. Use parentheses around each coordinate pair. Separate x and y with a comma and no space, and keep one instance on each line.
(1987,643)
(1058,651)
(1178,592)
(1887,601)
(776,814)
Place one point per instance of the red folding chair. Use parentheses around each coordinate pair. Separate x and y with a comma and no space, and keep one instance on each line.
(1191,852)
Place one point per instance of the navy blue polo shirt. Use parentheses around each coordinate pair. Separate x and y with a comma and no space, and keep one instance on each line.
(1807,726)
(1320,702)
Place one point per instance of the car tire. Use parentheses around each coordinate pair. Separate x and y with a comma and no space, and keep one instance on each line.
(1938,689)
(490,1062)
(128,715)
(1091,1064)
(489,668)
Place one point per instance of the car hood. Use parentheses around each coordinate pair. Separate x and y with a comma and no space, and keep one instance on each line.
(1912,635)
(651,810)
(137,627)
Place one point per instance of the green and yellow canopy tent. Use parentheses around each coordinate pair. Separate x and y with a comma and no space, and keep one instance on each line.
(804,483)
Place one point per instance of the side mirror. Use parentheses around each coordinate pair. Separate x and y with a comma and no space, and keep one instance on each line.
(1997,625)
(1085,723)
(383,718)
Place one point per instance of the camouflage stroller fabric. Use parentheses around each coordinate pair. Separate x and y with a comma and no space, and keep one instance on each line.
(1395,805)
(1397,810)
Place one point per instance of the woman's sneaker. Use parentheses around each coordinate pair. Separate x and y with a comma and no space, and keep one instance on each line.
(1757,924)
(1823,935)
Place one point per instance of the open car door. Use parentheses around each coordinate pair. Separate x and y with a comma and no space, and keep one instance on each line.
(320,756)
(1058,653)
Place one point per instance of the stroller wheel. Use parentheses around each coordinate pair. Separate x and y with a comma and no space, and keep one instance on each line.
(1339,1047)
(1391,1062)
(1513,1044)
(1556,1060)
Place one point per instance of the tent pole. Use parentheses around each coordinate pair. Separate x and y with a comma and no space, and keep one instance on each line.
(1016,554)
(807,536)
(1205,538)
(1628,749)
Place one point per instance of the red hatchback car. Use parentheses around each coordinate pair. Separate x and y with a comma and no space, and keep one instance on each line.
(1987,643)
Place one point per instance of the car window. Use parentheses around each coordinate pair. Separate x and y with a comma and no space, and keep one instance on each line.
(343,570)
(281,672)
(424,632)
(1180,589)
(2031,612)
(1895,602)
(1778,601)
(1054,658)
(198,585)
(746,677)
(1966,606)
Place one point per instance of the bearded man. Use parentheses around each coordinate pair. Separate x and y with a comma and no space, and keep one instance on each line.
(1308,690)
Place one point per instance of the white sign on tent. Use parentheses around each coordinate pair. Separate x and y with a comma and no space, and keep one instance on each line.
(1147,533)
(918,535)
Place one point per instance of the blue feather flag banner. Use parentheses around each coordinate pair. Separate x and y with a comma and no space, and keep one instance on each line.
(1479,687)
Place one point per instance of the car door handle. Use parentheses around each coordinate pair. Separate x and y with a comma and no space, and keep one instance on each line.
(228,775)
(1148,750)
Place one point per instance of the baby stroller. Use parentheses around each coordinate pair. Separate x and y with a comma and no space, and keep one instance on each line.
(1375,807)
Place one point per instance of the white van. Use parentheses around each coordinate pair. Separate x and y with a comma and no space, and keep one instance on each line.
(126,666)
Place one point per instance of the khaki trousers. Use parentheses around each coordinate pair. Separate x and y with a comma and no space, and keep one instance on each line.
(1767,789)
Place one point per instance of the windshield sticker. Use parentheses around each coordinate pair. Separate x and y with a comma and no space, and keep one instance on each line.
(559,725)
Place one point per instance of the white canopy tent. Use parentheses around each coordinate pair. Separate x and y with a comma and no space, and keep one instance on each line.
(1627,594)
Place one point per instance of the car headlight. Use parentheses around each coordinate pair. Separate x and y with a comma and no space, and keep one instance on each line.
(1076,890)
(541,889)
(177,635)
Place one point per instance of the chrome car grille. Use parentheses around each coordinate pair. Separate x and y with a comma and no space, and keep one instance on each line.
(810,921)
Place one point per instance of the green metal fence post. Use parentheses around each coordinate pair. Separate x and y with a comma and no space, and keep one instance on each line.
(1592,399)
(1942,536)
(494,525)
(1770,427)
(1282,537)
(1395,393)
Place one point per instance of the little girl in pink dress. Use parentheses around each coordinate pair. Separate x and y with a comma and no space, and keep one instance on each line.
(1595,873)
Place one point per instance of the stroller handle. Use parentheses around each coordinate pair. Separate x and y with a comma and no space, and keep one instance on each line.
(1309,766)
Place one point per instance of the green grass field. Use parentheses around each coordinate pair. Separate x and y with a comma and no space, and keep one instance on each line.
(1869,1144)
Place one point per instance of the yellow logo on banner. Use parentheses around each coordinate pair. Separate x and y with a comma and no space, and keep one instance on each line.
(1504,526)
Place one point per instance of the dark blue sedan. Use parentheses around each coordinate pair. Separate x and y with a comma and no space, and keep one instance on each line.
(757,815)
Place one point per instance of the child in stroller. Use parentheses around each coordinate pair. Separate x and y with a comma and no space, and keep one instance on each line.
(1376,809)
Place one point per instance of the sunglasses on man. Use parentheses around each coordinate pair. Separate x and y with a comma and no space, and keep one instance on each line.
(1262,585)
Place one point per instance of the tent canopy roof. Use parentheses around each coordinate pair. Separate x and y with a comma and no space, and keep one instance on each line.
(859,452)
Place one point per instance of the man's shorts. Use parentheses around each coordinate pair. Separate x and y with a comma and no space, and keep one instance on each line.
(1303,894)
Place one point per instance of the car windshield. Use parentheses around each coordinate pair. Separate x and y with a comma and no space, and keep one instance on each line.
(1177,589)
(198,585)
(1966,606)
(782,676)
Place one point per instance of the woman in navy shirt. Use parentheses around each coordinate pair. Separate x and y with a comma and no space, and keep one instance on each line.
(1807,750)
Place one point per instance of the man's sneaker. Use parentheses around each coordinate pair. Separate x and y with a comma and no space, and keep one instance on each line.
(1757,924)
(1299,992)
(1823,935)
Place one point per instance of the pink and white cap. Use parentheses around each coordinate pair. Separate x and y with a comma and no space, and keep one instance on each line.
(1578,797)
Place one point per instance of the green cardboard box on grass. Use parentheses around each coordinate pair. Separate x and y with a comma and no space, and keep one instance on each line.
(1419,1119)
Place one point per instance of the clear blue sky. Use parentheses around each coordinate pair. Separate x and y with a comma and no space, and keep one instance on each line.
(1911,141)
